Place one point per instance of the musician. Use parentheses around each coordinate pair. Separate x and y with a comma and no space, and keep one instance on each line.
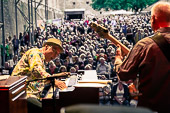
(32,64)
(148,59)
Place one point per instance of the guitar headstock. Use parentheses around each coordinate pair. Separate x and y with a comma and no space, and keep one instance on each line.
(102,31)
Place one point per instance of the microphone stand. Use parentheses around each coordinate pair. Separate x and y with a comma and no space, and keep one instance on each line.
(52,79)
(54,95)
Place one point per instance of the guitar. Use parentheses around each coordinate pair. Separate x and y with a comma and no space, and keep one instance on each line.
(104,33)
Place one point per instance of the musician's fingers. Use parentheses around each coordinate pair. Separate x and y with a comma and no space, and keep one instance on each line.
(67,73)
(58,83)
(62,83)
(62,86)
(64,73)
(118,52)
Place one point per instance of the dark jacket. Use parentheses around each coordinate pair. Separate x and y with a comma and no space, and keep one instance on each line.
(126,91)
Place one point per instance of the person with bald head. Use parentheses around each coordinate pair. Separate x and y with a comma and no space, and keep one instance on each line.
(150,59)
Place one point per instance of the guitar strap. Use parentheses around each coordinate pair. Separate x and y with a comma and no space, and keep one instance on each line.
(163,44)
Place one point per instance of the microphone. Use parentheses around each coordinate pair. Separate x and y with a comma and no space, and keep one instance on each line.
(50,77)
(65,75)
(53,77)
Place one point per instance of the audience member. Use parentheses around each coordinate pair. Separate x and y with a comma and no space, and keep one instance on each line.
(103,68)
(120,94)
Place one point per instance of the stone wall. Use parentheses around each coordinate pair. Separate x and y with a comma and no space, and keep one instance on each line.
(9,17)
(9,12)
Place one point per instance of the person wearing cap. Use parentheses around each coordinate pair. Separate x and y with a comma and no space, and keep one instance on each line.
(32,65)
(150,59)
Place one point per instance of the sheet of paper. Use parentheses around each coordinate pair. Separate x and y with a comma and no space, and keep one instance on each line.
(90,75)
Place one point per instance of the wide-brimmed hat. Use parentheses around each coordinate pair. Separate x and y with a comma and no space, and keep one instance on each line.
(54,42)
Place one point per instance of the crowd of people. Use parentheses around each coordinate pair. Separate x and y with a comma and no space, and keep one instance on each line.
(73,46)
(84,49)
(82,46)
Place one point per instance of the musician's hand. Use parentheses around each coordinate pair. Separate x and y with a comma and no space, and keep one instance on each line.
(118,59)
(60,84)
(118,53)
(66,73)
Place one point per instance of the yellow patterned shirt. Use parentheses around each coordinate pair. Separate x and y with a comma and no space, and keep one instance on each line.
(32,65)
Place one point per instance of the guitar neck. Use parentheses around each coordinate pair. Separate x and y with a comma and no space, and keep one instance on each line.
(125,50)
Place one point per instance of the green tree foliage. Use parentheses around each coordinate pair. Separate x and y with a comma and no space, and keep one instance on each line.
(135,5)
